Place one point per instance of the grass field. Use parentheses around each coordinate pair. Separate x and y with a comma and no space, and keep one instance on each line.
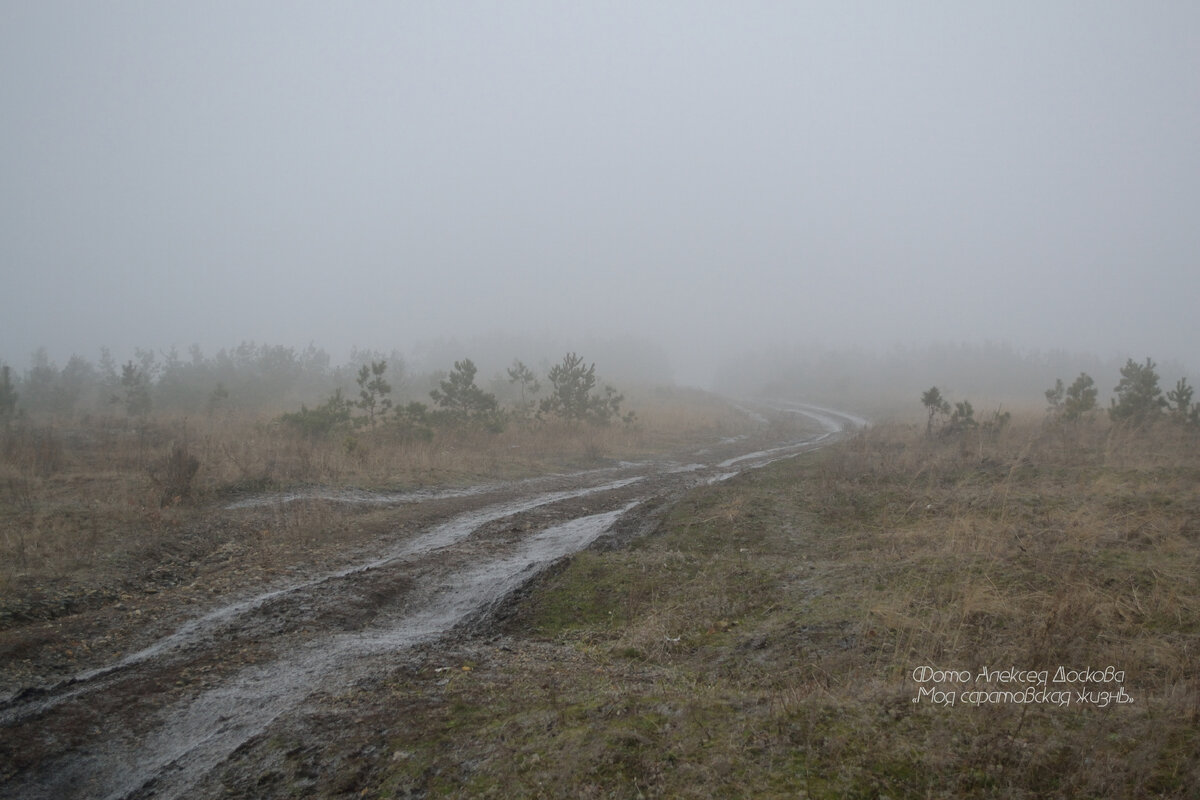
(817,628)
(769,639)
(97,509)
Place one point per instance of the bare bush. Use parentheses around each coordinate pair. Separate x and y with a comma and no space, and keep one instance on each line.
(174,475)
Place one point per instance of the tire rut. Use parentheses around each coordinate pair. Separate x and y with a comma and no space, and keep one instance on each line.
(155,722)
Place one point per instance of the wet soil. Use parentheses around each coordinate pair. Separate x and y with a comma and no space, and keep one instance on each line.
(151,696)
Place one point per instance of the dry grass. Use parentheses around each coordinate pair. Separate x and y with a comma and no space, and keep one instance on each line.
(105,506)
(255,453)
(763,642)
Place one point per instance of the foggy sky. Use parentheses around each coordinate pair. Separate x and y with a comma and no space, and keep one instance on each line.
(710,177)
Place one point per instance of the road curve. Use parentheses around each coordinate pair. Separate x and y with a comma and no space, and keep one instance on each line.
(144,726)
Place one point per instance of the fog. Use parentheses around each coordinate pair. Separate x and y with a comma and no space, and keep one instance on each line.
(693,180)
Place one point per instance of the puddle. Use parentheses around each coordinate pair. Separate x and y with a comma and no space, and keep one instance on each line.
(202,733)
(363,497)
(226,617)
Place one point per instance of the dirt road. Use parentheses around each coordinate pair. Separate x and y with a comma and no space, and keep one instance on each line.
(155,721)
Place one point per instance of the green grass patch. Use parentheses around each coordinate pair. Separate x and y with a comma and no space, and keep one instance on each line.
(763,642)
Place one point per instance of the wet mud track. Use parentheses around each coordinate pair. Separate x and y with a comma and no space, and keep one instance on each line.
(156,721)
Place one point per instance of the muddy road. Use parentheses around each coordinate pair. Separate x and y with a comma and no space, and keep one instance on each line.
(156,720)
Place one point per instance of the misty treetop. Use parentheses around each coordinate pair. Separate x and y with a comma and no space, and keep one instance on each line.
(1139,399)
(460,401)
(460,404)
(1180,406)
(959,419)
(249,377)
(572,398)
(1075,402)
(528,384)
(1140,416)
(371,393)
(936,405)
(1138,402)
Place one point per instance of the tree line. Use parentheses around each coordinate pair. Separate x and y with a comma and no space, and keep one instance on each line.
(1138,401)
(459,402)
(247,377)
(263,377)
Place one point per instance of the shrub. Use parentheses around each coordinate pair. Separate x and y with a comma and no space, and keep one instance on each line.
(963,418)
(1072,404)
(174,476)
(412,421)
(936,405)
(316,423)
(994,425)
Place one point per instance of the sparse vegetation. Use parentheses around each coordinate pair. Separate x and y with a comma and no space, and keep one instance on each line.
(936,406)
(1180,406)
(8,396)
(961,424)
(529,386)
(994,425)
(1074,403)
(411,422)
(1139,399)
(963,418)
(91,505)
(761,642)
(135,382)
(217,399)
(764,641)
(573,399)
(373,391)
(319,422)
(175,474)
(461,402)
(1081,398)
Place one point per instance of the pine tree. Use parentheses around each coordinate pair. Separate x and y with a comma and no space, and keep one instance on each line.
(572,397)
(1080,398)
(1139,400)
(524,377)
(459,400)
(1180,405)
(936,405)
(373,392)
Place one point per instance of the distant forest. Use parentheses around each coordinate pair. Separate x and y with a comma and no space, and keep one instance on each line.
(877,383)
(247,377)
(269,379)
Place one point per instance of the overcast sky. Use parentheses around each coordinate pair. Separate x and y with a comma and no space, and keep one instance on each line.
(708,176)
